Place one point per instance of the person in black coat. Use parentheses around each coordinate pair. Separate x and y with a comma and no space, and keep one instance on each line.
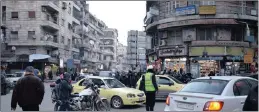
(251,103)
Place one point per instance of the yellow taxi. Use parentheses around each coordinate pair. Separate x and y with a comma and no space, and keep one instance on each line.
(166,84)
(112,89)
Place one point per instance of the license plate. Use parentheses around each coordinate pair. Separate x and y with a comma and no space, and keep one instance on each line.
(141,99)
(185,106)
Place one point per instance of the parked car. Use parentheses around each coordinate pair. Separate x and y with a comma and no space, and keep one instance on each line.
(13,78)
(166,84)
(112,89)
(216,93)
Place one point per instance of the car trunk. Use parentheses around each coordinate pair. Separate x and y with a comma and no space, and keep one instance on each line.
(189,101)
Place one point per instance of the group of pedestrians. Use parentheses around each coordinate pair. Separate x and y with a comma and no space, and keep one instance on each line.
(129,79)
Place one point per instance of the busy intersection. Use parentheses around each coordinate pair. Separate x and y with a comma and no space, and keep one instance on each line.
(47,104)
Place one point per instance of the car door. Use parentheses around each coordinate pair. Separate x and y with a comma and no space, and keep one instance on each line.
(163,85)
(104,92)
(241,89)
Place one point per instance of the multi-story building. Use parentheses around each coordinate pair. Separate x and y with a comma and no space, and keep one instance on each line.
(93,31)
(64,30)
(109,48)
(136,50)
(121,57)
(214,35)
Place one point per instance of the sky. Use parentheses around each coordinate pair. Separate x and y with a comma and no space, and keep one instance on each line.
(122,15)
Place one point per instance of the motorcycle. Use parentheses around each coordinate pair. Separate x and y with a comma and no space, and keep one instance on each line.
(86,100)
(89,100)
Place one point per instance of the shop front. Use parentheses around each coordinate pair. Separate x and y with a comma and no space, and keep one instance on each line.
(217,58)
(173,58)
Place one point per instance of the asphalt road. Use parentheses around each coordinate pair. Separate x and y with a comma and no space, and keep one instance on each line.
(48,106)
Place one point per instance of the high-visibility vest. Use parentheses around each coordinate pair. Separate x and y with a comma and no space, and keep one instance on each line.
(148,82)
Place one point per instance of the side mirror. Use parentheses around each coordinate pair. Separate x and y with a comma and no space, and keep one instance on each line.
(103,86)
(171,83)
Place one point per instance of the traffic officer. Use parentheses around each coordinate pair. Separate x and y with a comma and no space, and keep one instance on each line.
(149,86)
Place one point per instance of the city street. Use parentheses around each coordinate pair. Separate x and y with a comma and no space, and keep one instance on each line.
(48,106)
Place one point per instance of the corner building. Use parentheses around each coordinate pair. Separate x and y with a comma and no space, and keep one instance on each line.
(203,36)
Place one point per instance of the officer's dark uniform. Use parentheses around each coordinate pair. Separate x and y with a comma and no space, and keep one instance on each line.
(149,86)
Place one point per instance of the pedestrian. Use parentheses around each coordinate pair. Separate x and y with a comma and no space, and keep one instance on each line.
(63,90)
(50,75)
(3,84)
(149,86)
(211,73)
(251,103)
(28,92)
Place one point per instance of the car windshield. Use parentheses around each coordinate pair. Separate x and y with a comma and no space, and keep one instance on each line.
(177,81)
(114,83)
(205,86)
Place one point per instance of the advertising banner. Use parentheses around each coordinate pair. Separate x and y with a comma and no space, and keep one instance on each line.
(189,10)
(207,10)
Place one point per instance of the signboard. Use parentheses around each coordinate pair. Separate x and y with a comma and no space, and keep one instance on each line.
(189,34)
(194,22)
(219,43)
(207,10)
(207,58)
(171,52)
(185,10)
(248,59)
(23,58)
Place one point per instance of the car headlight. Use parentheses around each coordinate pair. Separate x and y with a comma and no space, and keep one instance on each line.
(131,95)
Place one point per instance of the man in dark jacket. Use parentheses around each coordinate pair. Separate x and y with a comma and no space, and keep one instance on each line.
(149,86)
(28,92)
(64,89)
(251,103)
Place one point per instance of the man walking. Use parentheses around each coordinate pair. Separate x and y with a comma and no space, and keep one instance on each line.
(28,92)
(149,86)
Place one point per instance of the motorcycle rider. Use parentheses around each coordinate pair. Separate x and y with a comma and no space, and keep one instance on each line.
(64,89)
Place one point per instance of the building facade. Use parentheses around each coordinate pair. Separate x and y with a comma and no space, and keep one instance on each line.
(136,50)
(203,36)
(63,30)
(109,48)
(122,57)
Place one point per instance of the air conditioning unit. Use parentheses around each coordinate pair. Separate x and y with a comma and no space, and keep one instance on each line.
(162,43)
(34,37)
(64,5)
(43,9)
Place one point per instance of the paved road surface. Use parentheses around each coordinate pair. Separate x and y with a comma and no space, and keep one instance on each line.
(48,106)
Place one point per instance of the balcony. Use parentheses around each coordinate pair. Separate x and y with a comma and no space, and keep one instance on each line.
(50,22)
(51,5)
(48,43)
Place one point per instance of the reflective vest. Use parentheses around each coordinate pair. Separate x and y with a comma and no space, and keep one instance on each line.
(148,82)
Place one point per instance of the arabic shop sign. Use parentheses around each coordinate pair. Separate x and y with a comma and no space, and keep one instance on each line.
(171,52)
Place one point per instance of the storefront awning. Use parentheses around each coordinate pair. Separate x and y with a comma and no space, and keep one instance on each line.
(38,57)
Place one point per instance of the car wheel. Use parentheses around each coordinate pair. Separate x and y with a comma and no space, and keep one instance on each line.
(116,102)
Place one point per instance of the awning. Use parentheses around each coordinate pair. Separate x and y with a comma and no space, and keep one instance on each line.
(38,57)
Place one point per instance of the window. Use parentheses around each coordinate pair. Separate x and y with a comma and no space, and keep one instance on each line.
(241,88)
(14,34)
(168,8)
(15,15)
(32,51)
(68,42)
(114,83)
(98,82)
(252,83)
(206,34)
(174,37)
(31,14)
(193,3)
(62,22)
(62,39)
(164,81)
(237,34)
(207,2)
(206,86)
(31,34)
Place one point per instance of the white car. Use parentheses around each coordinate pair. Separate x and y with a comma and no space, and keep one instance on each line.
(217,93)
